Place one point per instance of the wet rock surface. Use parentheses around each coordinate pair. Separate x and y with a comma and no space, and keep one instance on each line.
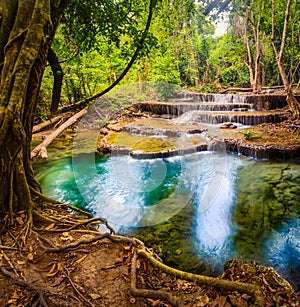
(269,133)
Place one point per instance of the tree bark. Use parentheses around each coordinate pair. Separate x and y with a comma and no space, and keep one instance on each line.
(25,54)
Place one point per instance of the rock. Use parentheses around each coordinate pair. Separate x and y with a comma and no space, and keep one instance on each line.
(114,127)
(104,131)
(228,126)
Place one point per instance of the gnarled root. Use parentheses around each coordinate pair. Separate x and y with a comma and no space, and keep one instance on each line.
(250,289)
(149,293)
(40,300)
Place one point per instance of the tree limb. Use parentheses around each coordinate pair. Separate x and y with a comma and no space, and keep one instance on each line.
(84,102)
(46,124)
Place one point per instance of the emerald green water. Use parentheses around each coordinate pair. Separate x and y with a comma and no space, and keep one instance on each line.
(196,211)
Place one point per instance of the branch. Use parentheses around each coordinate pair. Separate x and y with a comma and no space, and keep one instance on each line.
(139,47)
(46,124)
(41,150)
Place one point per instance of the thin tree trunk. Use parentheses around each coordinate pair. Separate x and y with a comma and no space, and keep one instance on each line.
(58,76)
(84,102)
(291,100)
(250,61)
(256,33)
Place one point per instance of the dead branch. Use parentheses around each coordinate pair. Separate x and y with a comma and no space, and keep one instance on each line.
(41,150)
(250,289)
(48,123)
(149,293)
(25,284)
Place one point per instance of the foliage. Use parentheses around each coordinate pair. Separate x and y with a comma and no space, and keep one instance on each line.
(250,134)
(180,50)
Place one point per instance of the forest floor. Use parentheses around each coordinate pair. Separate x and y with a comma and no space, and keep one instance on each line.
(77,266)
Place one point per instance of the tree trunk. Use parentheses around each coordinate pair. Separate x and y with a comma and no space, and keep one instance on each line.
(58,76)
(256,34)
(25,54)
(247,42)
(291,100)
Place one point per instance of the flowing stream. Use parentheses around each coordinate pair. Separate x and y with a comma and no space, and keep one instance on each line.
(197,210)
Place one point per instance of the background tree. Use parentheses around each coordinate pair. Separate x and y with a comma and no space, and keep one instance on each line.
(89,26)
(292,101)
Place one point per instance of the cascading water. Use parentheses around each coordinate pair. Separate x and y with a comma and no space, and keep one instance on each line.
(198,196)
(134,193)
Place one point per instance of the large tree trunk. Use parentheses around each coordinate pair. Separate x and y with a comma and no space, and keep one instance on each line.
(31,31)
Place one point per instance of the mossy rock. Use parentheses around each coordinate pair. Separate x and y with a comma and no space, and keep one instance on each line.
(151,144)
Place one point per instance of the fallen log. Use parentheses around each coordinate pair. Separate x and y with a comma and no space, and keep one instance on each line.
(48,123)
(41,149)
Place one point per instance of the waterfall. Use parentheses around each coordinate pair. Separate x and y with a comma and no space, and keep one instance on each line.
(215,199)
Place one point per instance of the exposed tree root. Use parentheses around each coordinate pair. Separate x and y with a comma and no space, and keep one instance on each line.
(40,301)
(40,218)
(9,262)
(131,249)
(44,197)
(86,222)
(72,246)
(250,289)
(8,248)
(63,205)
(80,295)
(149,293)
